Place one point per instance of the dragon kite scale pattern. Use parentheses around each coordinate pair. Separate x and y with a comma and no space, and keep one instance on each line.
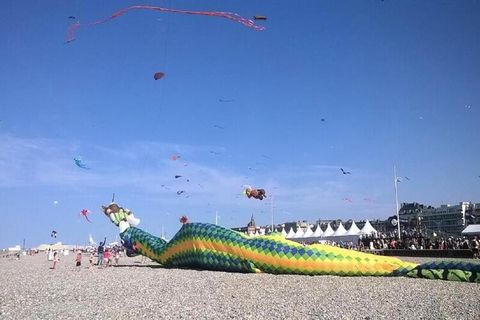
(211,247)
(227,15)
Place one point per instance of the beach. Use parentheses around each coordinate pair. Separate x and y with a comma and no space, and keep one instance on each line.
(31,290)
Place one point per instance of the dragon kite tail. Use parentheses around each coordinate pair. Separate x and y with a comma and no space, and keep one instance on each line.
(445,270)
(211,247)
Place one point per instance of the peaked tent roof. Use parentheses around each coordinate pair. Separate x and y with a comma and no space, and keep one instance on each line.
(308,233)
(290,233)
(353,231)
(299,233)
(340,230)
(367,228)
(284,233)
(318,232)
(328,232)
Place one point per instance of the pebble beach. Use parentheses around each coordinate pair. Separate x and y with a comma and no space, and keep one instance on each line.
(134,290)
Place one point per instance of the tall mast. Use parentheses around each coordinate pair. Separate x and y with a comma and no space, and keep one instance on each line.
(396,200)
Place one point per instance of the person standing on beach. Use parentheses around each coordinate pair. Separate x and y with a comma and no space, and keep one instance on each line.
(55,260)
(50,254)
(78,260)
(100,251)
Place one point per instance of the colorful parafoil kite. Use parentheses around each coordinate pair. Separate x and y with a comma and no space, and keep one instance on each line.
(158,75)
(227,15)
(259,18)
(183,219)
(211,247)
(254,193)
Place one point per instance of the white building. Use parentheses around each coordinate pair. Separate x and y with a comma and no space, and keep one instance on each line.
(446,218)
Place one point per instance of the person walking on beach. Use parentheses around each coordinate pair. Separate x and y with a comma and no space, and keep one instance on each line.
(55,260)
(78,260)
(100,251)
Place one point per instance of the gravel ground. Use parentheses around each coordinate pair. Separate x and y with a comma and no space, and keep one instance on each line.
(30,290)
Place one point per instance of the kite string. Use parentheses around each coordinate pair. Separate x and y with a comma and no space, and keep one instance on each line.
(228,15)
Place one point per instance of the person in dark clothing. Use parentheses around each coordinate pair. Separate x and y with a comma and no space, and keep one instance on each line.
(100,250)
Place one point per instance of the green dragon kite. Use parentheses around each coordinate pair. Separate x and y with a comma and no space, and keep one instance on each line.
(211,247)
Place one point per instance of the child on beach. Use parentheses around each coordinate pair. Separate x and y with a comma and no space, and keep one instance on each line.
(55,259)
(92,257)
(78,260)
(106,257)
(117,257)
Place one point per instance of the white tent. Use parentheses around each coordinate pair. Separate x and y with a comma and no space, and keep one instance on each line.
(290,233)
(284,233)
(353,231)
(308,233)
(472,230)
(299,233)
(318,232)
(15,249)
(328,232)
(55,246)
(340,230)
(368,229)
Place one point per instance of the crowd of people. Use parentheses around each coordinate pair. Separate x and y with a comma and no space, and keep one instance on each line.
(416,240)
(411,239)
(101,256)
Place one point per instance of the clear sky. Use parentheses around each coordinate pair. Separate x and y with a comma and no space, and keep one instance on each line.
(396,82)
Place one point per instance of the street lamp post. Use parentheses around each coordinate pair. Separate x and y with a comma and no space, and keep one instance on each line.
(396,200)
(271,211)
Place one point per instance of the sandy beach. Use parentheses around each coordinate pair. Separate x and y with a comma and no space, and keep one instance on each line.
(31,290)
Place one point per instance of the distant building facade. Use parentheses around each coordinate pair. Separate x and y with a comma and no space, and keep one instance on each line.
(446,220)
(449,219)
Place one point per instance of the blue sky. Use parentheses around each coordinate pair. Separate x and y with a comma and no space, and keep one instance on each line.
(397,82)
